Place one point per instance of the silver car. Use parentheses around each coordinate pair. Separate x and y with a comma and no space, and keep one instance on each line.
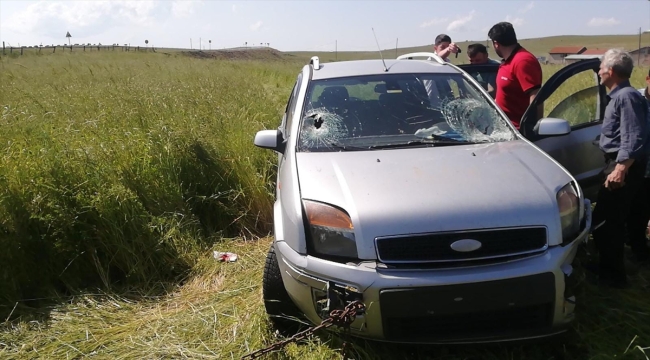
(401,184)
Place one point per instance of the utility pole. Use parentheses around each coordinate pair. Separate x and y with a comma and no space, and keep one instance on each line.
(396,42)
(638,61)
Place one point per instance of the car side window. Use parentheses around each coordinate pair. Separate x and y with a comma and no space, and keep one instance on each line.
(579,108)
(576,100)
(284,127)
(291,107)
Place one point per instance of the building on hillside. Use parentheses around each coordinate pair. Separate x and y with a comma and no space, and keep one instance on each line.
(595,52)
(558,53)
(641,56)
(570,59)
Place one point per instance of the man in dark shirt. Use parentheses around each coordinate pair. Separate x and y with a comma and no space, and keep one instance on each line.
(520,74)
(623,139)
(477,54)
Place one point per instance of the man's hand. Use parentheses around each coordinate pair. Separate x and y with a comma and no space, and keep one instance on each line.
(616,179)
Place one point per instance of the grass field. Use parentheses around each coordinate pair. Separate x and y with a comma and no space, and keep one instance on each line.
(122,172)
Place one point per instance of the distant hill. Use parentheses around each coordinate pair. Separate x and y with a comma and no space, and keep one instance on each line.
(538,46)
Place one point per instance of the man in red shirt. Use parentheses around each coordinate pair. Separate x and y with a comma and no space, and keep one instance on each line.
(520,74)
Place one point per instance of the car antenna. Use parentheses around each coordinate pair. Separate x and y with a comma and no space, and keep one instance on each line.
(382,56)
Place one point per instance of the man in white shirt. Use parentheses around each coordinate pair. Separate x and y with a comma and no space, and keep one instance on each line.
(443,47)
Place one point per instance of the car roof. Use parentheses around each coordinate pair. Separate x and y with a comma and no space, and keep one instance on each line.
(376,67)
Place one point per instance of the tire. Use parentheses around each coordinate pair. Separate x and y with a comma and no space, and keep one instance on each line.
(284,314)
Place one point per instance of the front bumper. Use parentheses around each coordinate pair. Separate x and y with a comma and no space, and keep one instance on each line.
(522,299)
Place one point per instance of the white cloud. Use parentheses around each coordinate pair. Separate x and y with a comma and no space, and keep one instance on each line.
(184,8)
(234,8)
(74,15)
(256,26)
(527,8)
(603,22)
(460,23)
(515,21)
(432,22)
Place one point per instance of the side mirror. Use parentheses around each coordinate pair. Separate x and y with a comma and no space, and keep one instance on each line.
(552,127)
(270,139)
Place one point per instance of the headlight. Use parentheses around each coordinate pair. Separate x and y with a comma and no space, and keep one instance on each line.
(332,232)
(568,204)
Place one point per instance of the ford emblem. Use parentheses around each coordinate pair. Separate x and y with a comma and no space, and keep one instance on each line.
(466,245)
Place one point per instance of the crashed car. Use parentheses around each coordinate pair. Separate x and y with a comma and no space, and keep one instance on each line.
(402,185)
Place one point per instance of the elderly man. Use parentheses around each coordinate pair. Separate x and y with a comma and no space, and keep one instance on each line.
(624,141)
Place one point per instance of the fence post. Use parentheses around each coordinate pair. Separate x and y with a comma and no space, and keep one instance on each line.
(53,49)
(11,50)
(98,48)
(84,47)
(39,49)
(21,50)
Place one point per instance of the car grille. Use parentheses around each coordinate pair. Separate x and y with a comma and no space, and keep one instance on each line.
(436,247)
(501,308)
(471,325)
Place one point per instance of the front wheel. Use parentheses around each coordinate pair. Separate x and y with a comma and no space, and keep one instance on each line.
(283,313)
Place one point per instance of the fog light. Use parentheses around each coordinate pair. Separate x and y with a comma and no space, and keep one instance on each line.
(319,298)
(569,284)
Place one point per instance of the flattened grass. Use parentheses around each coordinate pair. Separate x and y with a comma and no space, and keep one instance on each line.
(218,314)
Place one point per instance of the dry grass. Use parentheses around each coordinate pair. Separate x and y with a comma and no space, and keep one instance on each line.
(218,314)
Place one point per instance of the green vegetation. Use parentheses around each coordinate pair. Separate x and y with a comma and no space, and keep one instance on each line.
(119,169)
(120,173)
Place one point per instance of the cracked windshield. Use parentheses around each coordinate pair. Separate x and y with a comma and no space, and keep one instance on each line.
(394,110)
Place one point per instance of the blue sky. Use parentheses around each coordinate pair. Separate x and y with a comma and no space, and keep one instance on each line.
(308,25)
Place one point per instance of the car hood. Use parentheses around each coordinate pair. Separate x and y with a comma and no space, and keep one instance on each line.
(433,189)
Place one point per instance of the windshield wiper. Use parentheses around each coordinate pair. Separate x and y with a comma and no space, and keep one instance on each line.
(441,141)
(337,145)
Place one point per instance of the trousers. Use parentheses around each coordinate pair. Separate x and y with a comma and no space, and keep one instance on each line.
(637,222)
(612,213)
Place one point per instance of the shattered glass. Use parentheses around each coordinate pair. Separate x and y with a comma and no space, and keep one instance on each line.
(472,119)
(322,128)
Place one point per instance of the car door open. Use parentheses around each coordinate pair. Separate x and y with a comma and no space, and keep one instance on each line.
(583,109)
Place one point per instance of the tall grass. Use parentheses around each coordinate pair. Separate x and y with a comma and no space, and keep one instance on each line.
(119,168)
